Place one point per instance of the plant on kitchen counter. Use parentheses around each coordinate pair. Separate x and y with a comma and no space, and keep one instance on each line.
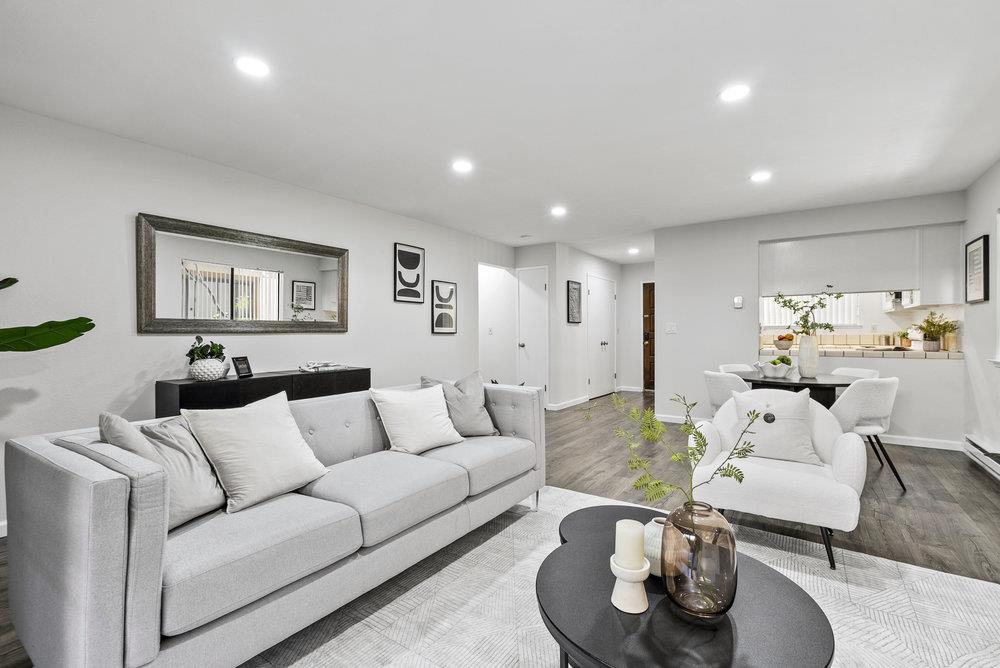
(935,326)
(904,337)
(805,311)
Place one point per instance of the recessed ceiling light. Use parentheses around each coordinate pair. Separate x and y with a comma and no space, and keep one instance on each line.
(462,166)
(734,93)
(633,251)
(761,176)
(254,67)
(558,211)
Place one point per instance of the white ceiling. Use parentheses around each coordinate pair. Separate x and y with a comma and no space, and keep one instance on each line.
(608,107)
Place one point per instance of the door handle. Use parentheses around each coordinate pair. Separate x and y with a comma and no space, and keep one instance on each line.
(520,345)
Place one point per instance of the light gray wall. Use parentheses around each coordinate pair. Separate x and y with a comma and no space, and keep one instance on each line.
(630,323)
(699,268)
(982,383)
(70,196)
(498,323)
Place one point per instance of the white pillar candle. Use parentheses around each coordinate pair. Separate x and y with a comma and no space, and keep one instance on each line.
(629,544)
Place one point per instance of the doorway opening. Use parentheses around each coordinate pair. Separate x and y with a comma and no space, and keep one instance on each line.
(648,336)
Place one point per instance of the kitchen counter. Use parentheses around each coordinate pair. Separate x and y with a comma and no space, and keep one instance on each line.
(862,351)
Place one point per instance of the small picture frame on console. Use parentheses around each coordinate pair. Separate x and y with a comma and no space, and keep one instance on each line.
(242,367)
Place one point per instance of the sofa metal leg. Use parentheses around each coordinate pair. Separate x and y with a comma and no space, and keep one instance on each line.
(871,442)
(888,460)
(826,533)
(534,506)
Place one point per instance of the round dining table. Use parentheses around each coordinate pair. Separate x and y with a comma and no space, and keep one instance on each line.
(822,387)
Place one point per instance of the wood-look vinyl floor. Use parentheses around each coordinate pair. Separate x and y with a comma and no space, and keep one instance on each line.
(949,520)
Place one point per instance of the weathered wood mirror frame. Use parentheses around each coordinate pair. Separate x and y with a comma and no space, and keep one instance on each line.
(146,227)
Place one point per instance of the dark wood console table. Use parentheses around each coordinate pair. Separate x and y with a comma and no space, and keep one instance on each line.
(233,392)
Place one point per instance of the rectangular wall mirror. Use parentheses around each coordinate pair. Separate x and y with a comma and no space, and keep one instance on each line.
(194,278)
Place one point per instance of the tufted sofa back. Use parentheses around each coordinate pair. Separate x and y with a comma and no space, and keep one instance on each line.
(340,427)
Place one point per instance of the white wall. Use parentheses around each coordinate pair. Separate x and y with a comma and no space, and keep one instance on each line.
(567,341)
(982,383)
(70,196)
(497,323)
(699,268)
(630,324)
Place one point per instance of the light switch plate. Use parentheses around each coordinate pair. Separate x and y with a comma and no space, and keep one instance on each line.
(738,301)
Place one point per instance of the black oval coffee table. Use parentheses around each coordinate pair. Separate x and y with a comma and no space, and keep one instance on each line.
(773,622)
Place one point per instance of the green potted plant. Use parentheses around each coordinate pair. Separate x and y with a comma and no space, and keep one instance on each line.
(805,325)
(206,360)
(38,337)
(934,328)
(904,338)
(698,546)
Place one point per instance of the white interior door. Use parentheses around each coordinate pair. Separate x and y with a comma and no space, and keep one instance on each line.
(533,327)
(600,336)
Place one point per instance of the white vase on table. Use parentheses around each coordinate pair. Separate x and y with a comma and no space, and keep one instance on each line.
(808,356)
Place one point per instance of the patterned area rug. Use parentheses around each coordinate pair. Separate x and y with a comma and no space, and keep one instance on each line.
(473,603)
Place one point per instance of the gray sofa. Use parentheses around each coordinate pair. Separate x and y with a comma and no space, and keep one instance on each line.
(97,580)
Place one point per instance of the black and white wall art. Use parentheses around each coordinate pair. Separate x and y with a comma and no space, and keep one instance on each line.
(304,294)
(977,269)
(408,273)
(444,307)
(574,301)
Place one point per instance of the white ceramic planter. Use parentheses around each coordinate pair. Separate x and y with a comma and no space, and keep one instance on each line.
(808,356)
(207,369)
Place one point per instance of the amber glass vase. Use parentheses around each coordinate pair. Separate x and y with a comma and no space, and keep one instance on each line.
(698,562)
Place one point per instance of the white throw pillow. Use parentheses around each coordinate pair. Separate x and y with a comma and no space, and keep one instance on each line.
(415,420)
(257,451)
(783,430)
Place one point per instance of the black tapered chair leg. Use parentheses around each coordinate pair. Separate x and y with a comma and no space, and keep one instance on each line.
(871,442)
(826,533)
(888,460)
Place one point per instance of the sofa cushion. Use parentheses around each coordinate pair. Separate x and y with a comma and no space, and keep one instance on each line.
(221,562)
(392,491)
(466,399)
(489,460)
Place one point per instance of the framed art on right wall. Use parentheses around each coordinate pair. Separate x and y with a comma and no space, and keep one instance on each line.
(977,270)
(574,302)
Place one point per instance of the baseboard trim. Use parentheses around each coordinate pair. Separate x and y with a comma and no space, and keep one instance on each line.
(3,529)
(567,404)
(917,441)
(672,419)
(628,388)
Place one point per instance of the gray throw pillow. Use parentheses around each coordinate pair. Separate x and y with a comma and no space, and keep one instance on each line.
(466,399)
(193,488)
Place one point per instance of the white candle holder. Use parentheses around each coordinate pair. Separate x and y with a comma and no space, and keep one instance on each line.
(629,594)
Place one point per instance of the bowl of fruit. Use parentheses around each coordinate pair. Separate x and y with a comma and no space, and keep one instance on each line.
(784,341)
(779,367)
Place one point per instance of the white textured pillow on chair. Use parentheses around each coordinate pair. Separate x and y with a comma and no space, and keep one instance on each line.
(257,451)
(783,430)
(415,420)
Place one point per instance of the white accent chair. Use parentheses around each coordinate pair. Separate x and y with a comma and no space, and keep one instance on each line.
(865,408)
(827,496)
(735,368)
(855,372)
(721,387)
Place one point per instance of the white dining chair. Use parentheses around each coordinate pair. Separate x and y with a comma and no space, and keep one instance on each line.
(721,387)
(865,408)
(734,368)
(855,372)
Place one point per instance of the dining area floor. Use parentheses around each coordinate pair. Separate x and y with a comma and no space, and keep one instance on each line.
(947,520)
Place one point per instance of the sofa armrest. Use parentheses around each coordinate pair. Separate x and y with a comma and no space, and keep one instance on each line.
(66,545)
(850,463)
(518,411)
(148,516)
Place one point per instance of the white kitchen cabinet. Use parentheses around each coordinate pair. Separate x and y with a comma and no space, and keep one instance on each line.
(941,270)
(855,262)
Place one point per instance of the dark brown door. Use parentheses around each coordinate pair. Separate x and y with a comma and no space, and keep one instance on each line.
(648,334)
